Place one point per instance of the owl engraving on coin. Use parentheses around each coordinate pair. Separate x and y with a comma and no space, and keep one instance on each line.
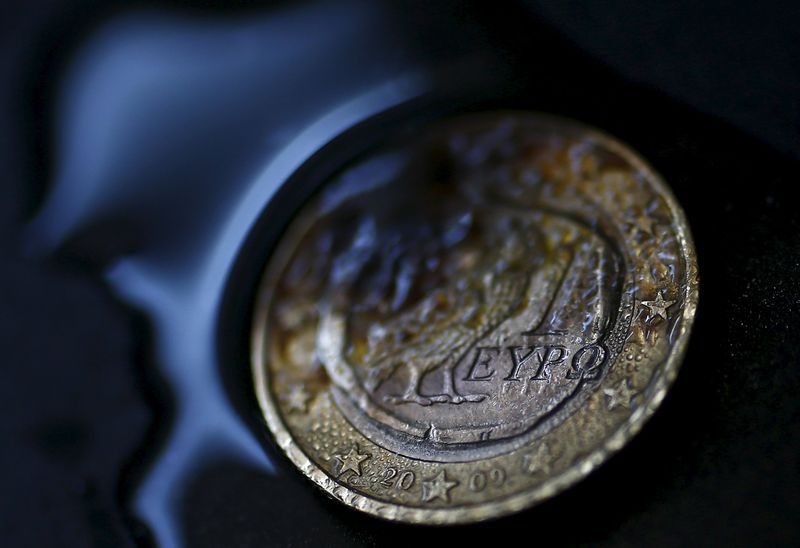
(465,322)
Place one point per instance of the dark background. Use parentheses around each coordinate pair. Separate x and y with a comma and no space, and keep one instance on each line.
(708,92)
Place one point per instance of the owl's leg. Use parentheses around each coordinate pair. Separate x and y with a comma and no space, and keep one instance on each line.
(411,393)
(450,394)
(379,373)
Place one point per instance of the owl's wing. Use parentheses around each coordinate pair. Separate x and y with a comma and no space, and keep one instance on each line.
(503,296)
(429,337)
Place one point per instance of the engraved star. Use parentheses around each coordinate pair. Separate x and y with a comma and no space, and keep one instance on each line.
(352,461)
(646,224)
(297,398)
(658,307)
(540,460)
(437,487)
(620,395)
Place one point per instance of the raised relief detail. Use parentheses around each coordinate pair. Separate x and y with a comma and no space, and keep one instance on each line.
(619,395)
(297,398)
(508,322)
(471,301)
(352,461)
(540,460)
(437,487)
(657,308)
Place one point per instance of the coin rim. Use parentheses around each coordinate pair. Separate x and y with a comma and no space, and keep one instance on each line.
(553,485)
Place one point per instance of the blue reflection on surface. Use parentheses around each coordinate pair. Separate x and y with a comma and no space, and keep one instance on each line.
(185,129)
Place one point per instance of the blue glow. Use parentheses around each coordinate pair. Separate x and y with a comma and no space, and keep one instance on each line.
(187,129)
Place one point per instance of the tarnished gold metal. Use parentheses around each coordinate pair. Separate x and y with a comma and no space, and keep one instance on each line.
(461,326)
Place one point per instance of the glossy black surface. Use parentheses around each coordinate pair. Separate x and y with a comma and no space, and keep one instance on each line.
(144,144)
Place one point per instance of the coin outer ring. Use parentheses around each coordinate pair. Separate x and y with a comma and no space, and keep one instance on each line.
(553,485)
